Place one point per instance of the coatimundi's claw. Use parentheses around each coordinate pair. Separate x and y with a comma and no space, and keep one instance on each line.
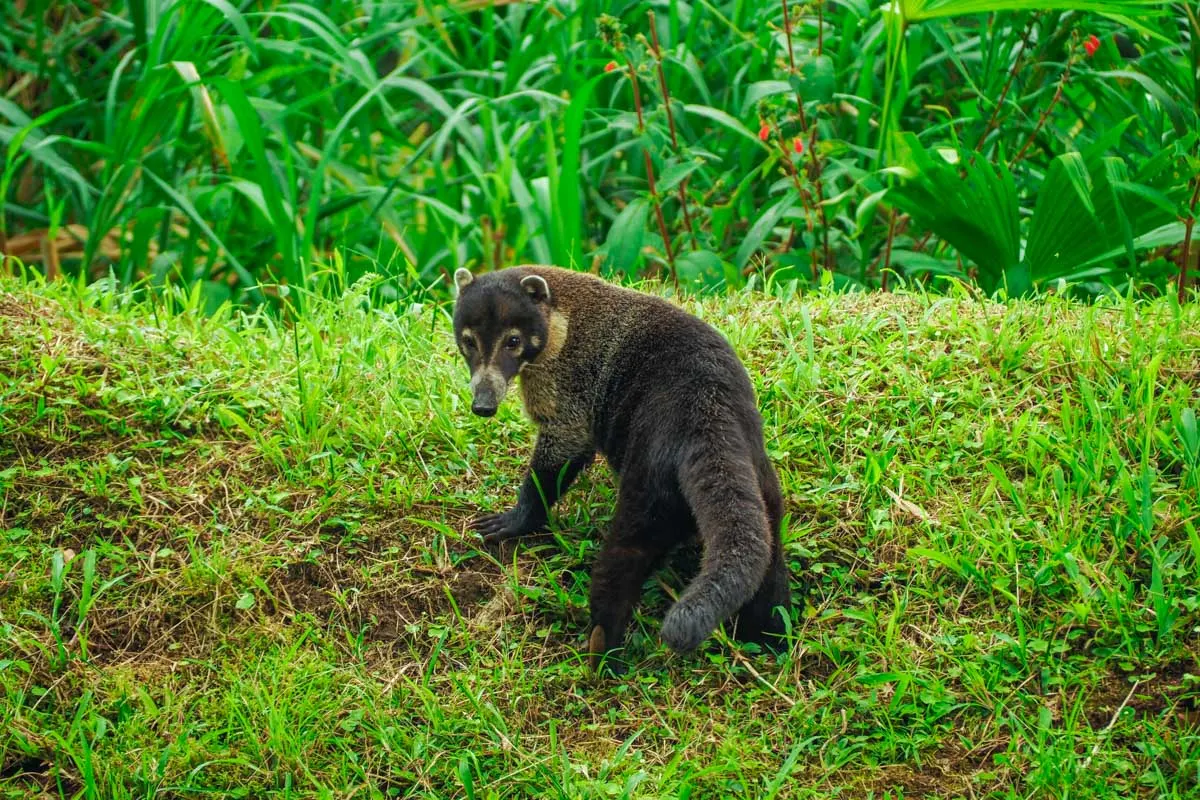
(600,657)
(496,528)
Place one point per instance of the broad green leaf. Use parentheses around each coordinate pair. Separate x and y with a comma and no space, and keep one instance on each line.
(760,89)
(916,10)
(921,263)
(762,228)
(700,268)
(723,119)
(1156,91)
(1164,236)
(626,237)
(28,136)
(676,173)
(976,212)
(565,186)
(817,79)
(185,205)
(1082,213)
(866,211)
(235,19)
(278,209)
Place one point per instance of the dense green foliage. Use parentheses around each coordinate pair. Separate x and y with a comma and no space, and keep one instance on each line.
(228,144)
(234,562)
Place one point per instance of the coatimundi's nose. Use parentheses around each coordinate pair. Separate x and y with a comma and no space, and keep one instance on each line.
(487,390)
(483,409)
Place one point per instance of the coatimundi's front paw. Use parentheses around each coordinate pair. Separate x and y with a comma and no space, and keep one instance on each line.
(602,658)
(515,522)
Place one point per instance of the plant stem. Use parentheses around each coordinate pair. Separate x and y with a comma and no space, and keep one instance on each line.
(662,223)
(1058,93)
(662,82)
(1188,225)
(887,252)
(787,30)
(820,27)
(815,168)
(819,187)
(637,93)
(1012,74)
(805,199)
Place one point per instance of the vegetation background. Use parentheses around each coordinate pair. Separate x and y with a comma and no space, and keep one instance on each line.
(227,145)
(234,479)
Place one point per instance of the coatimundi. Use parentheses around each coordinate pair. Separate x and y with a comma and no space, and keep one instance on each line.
(664,397)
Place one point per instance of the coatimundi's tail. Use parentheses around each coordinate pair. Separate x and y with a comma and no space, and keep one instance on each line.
(721,487)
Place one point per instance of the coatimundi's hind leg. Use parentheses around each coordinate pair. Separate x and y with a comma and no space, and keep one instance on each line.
(760,620)
(557,462)
(630,553)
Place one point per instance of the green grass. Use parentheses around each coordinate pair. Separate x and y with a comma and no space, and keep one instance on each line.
(233,562)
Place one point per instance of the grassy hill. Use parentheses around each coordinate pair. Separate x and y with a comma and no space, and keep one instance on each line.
(233,561)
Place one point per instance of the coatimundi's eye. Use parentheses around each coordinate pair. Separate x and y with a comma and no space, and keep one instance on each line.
(469,342)
(513,343)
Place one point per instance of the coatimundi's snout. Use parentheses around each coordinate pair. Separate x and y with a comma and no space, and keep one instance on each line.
(498,332)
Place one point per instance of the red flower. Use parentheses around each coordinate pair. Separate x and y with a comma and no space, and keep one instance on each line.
(1091,45)
(798,145)
(610,66)
(764,132)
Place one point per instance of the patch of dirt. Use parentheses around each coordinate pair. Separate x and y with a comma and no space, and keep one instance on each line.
(946,773)
(1166,691)
(172,633)
(22,310)
(336,595)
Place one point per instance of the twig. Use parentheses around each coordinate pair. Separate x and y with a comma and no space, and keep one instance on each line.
(745,662)
(1108,727)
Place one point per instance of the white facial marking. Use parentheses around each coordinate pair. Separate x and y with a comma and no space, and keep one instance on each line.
(467,339)
(490,377)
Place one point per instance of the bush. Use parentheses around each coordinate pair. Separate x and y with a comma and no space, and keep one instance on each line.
(237,146)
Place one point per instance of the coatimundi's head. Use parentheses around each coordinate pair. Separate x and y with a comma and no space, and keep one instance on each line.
(501,322)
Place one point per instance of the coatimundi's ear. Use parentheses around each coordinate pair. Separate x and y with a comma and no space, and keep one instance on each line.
(536,286)
(463,278)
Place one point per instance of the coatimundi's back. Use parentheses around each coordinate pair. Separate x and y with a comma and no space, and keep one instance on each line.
(663,396)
